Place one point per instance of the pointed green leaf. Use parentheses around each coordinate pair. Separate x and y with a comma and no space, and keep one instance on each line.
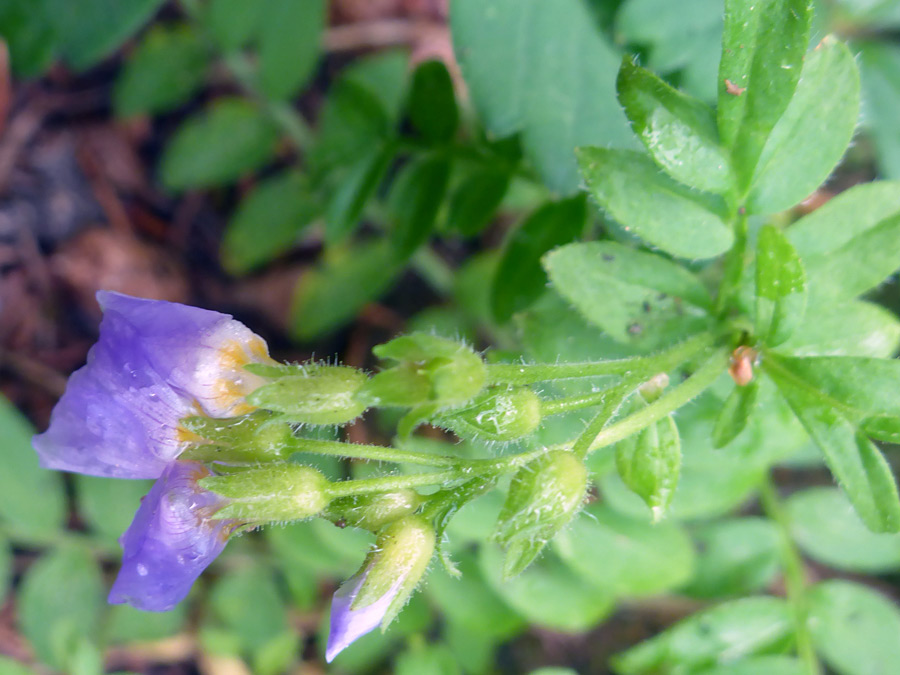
(475,201)
(780,287)
(232,23)
(636,297)
(414,201)
(432,103)
(356,187)
(649,464)
(813,134)
(762,55)
(679,131)
(854,328)
(290,36)
(648,203)
(519,279)
(735,414)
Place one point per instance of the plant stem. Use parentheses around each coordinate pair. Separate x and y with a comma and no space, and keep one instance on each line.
(377,453)
(734,265)
(794,575)
(665,404)
(521,374)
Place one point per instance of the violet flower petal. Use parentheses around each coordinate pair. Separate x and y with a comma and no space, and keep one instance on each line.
(171,540)
(348,625)
(155,363)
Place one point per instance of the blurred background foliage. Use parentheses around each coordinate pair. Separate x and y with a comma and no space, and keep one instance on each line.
(334,173)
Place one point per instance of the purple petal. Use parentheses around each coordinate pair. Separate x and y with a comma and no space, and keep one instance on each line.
(155,363)
(348,625)
(171,540)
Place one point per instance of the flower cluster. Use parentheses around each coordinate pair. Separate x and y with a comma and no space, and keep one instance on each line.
(160,379)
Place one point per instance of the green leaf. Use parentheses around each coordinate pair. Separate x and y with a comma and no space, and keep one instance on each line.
(125,624)
(476,199)
(854,328)
(267,222)
(432,104)
(32,502)
(6,563)
(29,34)
(638,298)
(855,628)
(829,531)
(720,635)
(780,287)
(414,201)
(107,504)
(559,97)
(290,35)
(229,139)
(648,203)
(347,278)
(770,665)
(519,279)
(232,23)
(812,135)
(880,62)
(854,460)
(60,601)
(738,556)
(166,69)
(247,602)
(10,667)
(548,593)
(90,30)
(649,463)
(469,601)
(735,414)
(762,56)
(624,555)
(679,131)
(360,183)
(424,659)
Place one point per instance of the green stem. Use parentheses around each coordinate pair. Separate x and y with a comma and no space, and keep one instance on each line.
(665,404)
(521,374)
(794,575)
(377,453)
(734,265)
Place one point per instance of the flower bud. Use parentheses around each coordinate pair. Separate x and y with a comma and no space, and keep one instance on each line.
(429,369)
(496,414)
(374,511)
(276,492)
(388,577)
(543,496)
(314,395)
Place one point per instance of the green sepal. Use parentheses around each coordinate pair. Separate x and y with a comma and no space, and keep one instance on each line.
(374,511)
(735,413)
(257,437)
(320,395)
(402,550)
(543,497)
(277,492)
(496,414)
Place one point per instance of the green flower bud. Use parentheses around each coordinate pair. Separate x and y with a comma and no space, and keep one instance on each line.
(543,497)
(428,369)
(276,492)
(374,511)
(314,395)
(496,414)
(395,564)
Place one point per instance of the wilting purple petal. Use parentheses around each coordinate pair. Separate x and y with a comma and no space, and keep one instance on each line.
(155,363)
(171,540)
(348,625)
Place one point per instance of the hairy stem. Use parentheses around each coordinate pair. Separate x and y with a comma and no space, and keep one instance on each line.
(377,453)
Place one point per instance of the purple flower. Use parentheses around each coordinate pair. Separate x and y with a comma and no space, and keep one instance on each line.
(347,624)
(171,540)
(155,363)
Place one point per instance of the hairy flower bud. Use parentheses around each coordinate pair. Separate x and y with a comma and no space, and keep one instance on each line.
(276,492)
(543,496)
(496,414)
(311,394)
(374,511)
(388,577)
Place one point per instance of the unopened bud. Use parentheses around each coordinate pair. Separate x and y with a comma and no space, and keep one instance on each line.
(374,511)
(314,395)
(276,492)
(543,497)
(387,579)
(496,414)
